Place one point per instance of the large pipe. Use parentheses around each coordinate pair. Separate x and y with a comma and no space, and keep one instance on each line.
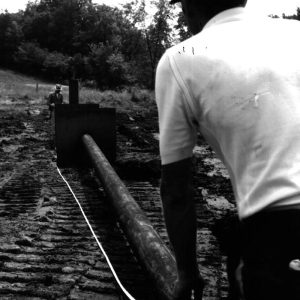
(152,252)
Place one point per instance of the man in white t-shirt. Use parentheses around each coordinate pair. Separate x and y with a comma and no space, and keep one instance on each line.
(237,82)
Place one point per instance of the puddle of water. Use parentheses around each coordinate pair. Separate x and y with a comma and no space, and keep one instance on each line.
(8,101)
(218,168)
(219,203)
(201,150)
(11,148)
(33,112)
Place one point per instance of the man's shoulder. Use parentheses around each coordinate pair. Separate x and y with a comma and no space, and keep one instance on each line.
(181,51)
(186,46)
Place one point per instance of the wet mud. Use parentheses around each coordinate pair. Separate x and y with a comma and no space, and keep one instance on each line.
(46,249)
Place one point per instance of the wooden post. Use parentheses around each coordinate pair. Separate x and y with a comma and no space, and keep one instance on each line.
(73,91)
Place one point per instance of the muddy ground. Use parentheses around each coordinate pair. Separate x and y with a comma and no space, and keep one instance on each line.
(26,147)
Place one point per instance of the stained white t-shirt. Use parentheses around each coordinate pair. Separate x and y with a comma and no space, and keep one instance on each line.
(238,83)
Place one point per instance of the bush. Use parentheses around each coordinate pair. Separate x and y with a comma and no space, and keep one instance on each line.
(56,66)
(109,66)
(119,71)
(30,57)
(10,38)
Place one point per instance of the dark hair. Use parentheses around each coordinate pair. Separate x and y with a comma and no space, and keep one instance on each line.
(231,3)
(224,4)
(213,7)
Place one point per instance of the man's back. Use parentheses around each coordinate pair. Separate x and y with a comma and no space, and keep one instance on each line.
(239,81)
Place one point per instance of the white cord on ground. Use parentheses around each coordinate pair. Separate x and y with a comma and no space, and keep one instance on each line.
(99,244)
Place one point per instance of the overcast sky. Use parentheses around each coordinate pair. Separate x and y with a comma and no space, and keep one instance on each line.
(265,6)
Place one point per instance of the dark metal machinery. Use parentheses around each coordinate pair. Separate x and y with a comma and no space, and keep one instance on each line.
(72,122)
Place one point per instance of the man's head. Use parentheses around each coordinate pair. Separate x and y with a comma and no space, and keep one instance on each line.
(199,12)
(57,88)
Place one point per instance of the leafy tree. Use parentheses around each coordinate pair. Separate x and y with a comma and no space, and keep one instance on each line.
(99,54)
(55,24)
(10,37)
(30,57)
(182,27)
(76,38)
(110,68)
(119,70)
(156,33)
(57,66)
(293,17)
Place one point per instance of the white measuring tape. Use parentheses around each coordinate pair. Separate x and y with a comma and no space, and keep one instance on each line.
(99,244)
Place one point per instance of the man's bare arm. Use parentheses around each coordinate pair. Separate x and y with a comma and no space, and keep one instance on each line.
(180,218)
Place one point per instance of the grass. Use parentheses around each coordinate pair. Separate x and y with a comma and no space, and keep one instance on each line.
(127,100)
(18,88)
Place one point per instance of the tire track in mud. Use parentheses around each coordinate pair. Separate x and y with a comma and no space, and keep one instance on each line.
(46,249)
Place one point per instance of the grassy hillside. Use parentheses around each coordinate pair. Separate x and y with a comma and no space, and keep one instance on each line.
(16,87)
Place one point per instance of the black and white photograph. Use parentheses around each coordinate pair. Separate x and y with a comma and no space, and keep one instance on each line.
(150,150)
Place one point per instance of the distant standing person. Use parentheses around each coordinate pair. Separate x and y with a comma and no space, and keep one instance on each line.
(55,98)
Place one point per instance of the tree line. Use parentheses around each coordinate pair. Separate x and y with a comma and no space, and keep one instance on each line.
(103,46)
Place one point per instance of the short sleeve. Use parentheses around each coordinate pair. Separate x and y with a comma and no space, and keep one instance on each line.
(177,133)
